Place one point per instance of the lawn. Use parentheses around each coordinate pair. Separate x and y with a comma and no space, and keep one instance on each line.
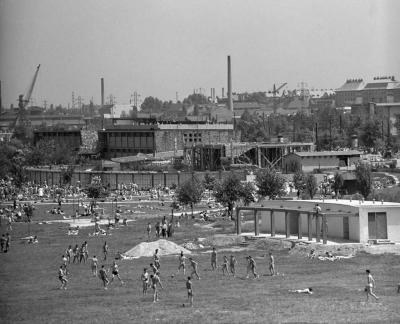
(29,282)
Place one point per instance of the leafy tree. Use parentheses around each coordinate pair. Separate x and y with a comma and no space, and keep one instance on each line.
(248,194)
(311,186)
(195,99)
(66,174)
(364,179)
(229,191)
(370,133)
(299,180)
(209,181)
(151,104)
(338,183)
(270,183)
(190,192)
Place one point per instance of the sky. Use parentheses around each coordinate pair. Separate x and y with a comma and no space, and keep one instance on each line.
(160,47)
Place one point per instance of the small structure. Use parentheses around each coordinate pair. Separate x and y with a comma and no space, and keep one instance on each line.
(308,161)
(357,221)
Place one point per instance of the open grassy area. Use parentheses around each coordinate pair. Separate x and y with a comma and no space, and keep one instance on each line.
(29,283)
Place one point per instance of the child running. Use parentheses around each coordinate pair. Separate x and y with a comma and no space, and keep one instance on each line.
(194,268)
(232,265)
(155,280)
(94,265)
(115,272)
(103,276)
(62,276)
(145,280)
(189,287)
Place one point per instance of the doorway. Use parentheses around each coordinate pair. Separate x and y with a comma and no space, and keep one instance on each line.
(346,228)
(377,226)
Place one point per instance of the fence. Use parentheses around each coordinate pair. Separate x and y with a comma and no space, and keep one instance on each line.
(112,179)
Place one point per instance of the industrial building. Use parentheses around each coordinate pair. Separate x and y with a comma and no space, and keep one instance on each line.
(151,138)
(356,221)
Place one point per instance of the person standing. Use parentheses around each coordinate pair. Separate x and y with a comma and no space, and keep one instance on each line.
(145,280)
(156,258)
(94,265)
(103,276)
(189,287)
(370,285)
(251,267)
(115,272)
(8,242)
(155,281)
(148,229)
(76,253)
(224,266)
(272,264)
(182,264)
(232,265)
(105,250)
(3,242)
(62,276)
(214,259)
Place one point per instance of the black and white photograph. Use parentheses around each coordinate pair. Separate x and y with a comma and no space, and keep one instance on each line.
(199,161)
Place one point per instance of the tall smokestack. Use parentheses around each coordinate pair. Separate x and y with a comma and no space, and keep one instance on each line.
(230,102)
(102,92)
(223,92)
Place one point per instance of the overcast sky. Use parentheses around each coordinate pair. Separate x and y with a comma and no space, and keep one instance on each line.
(162,47)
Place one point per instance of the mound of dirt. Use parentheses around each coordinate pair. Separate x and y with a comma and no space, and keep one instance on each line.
(146,249)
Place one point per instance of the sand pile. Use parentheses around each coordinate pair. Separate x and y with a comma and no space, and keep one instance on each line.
(146,249)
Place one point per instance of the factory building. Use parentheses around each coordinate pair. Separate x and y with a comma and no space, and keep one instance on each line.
(124,140)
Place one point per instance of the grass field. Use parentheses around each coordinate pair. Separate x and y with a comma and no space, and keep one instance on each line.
(29,283)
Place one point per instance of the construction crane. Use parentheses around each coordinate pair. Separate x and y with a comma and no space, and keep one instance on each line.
(23,100)
(275,90)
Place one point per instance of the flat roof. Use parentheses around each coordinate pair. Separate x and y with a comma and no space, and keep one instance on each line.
(355,203)
(328,153)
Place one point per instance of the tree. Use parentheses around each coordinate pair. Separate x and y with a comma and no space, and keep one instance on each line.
(190,192)
(229,191)
(248,194)
(364,179)
(195,99)
(311,186)
(151,104)
(66,174)
(338,183)
(209,181)
(270,183)
(299,180)
(370,133)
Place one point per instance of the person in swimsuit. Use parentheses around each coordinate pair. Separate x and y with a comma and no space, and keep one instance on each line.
(370,285)
(189,287)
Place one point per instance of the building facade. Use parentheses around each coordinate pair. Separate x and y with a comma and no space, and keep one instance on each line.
(127,141)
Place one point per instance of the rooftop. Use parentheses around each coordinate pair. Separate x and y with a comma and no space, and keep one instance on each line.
(329,153)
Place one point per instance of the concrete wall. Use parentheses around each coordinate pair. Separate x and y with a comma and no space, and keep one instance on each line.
(113,178)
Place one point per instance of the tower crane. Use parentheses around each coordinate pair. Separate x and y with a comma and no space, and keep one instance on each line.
(23,100)
(275,89)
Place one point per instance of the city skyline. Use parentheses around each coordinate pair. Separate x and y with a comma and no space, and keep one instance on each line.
(160,48)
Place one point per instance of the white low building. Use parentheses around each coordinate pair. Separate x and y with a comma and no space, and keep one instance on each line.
(355,220)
